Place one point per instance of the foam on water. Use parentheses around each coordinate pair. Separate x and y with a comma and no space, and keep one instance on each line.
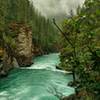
(48,62)
(37,82)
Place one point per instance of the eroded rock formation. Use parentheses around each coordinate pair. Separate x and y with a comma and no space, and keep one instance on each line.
(21,54)
(23,42)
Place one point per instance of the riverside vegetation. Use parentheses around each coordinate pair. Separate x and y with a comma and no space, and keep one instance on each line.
(81,51)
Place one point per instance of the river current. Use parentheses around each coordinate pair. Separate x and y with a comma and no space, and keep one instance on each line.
(41,81)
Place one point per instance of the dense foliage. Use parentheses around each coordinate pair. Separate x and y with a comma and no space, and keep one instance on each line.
(81,53)
(23,12)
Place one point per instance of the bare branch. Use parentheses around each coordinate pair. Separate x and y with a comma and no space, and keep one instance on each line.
(64,34)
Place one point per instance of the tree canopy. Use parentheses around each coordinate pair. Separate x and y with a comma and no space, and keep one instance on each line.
(81,53)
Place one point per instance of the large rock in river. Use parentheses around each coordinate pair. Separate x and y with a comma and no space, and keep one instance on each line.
(23,41)
(24,46)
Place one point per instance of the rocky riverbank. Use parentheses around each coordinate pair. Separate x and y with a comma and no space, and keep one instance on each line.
(22,51)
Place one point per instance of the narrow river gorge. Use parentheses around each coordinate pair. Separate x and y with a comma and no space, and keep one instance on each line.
(38,82)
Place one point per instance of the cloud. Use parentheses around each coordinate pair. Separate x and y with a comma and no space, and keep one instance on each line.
(56,7)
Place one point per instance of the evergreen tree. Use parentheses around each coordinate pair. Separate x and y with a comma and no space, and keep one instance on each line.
(23,11)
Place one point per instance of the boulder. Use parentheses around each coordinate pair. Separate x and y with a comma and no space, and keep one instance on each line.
(15,63)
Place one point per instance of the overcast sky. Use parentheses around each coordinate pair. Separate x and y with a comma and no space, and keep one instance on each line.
(56,7)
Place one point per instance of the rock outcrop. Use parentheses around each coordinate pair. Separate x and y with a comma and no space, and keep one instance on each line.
(7,63)
(37,50)
(23,41)
(21,54)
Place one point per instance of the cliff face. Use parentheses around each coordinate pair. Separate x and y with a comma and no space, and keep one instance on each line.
(8,61)
(21,54)
(6,64)
(23,50)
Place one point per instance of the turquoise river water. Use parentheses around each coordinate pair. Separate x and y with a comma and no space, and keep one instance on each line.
(41,81)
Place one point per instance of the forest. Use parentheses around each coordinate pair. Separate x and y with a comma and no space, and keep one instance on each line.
(25,34)
(13,12)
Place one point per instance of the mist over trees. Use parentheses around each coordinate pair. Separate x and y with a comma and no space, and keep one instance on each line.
(23,11)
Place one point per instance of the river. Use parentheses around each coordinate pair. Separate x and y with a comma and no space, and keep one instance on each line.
(38,82)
